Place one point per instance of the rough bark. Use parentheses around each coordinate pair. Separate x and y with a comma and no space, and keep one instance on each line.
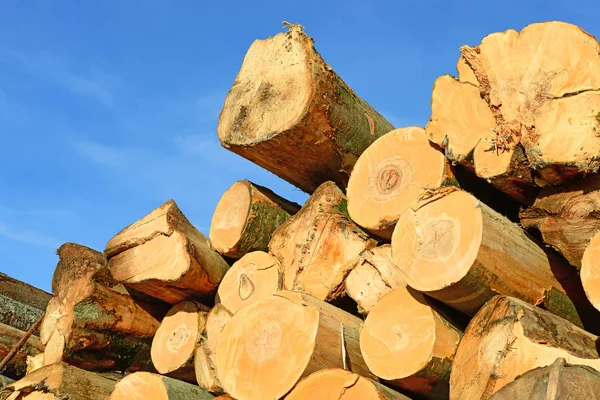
(319,245)
(17,366)
(245,218)
(146,385)
(509,337)
(166,257)
(21,304)
(268,346)
(288,112)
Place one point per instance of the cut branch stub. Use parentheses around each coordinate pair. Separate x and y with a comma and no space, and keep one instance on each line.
(245,218)
(291,114)
(391,175)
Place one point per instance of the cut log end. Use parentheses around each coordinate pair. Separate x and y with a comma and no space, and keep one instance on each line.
(230,217)
(335,384)
(146,385)
(590,271)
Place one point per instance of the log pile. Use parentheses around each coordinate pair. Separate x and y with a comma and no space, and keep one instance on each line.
(453,261)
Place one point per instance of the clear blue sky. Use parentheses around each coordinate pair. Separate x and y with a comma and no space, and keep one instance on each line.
(109,108)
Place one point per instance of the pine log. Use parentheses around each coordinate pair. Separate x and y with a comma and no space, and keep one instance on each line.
(205,357)
(391,175)
(288,112)
(509,337)
(177,339)
(17,366)
(567,216)
(456,249)
(403,326)
(319,245)
(245,218)
(91,321)
(165,256)
(559,381)
(60,381)
(146,385)
(268,346)
(339,384)
(374,275)
(21,304)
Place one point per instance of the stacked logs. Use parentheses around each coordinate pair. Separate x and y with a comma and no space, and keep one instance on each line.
(452,261)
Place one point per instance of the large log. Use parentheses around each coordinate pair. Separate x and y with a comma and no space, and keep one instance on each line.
(560,380)
(509,337)
(268,346)
(245,218)
(567,216)
(21,304)
(146,385)
(60,381)
(391,175)
(457,250)
(165,256)
(92,322)
(404,326)
(319,245)
(17,366)
(288,112)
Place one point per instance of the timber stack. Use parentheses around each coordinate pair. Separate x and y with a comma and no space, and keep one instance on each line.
(458,260)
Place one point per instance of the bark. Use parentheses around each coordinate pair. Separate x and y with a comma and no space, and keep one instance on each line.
(17,366)
(509,337)
(5,381)
(457,250)
(288,112)
(245,218)
(166,257)
(319,245)
(146,385)
(21,304)
(268,346)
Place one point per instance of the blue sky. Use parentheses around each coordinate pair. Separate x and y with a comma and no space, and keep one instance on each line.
(109,108)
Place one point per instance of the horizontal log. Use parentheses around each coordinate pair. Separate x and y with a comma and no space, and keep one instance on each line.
(21,304)
(17,366)
(146,385)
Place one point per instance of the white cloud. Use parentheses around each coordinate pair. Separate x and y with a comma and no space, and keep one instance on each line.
(29,237)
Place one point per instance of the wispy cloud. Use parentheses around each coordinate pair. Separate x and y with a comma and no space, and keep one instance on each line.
(28,237)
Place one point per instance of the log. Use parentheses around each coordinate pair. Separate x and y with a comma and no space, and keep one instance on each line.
(560,380)
(146,385)
(567,216)
(17,366)
(338,384)
(34,363)
(374,275)
(176,340)
(291,114)
(268,346)
(91,321)
(245,218)
(166,257)
(205,357)
(251,278)
(404,326)
(391,175)
(319,245)
(456,249)
(21,304)
(590,271)
(509,337)
(60,381)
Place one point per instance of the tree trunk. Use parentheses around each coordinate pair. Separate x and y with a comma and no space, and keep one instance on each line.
(403,326)
(205,357)
(319,245)
(17,366)
(176,340)
(92,322)
(391,175)
(509,337)
(145,385)
(250,279)
(21,304)
(61,381)
(555,382)
(165,256)
(291,114)
(245,218)
(338,384)
(373,276)
(268,346)
(567,216)
(457,250)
